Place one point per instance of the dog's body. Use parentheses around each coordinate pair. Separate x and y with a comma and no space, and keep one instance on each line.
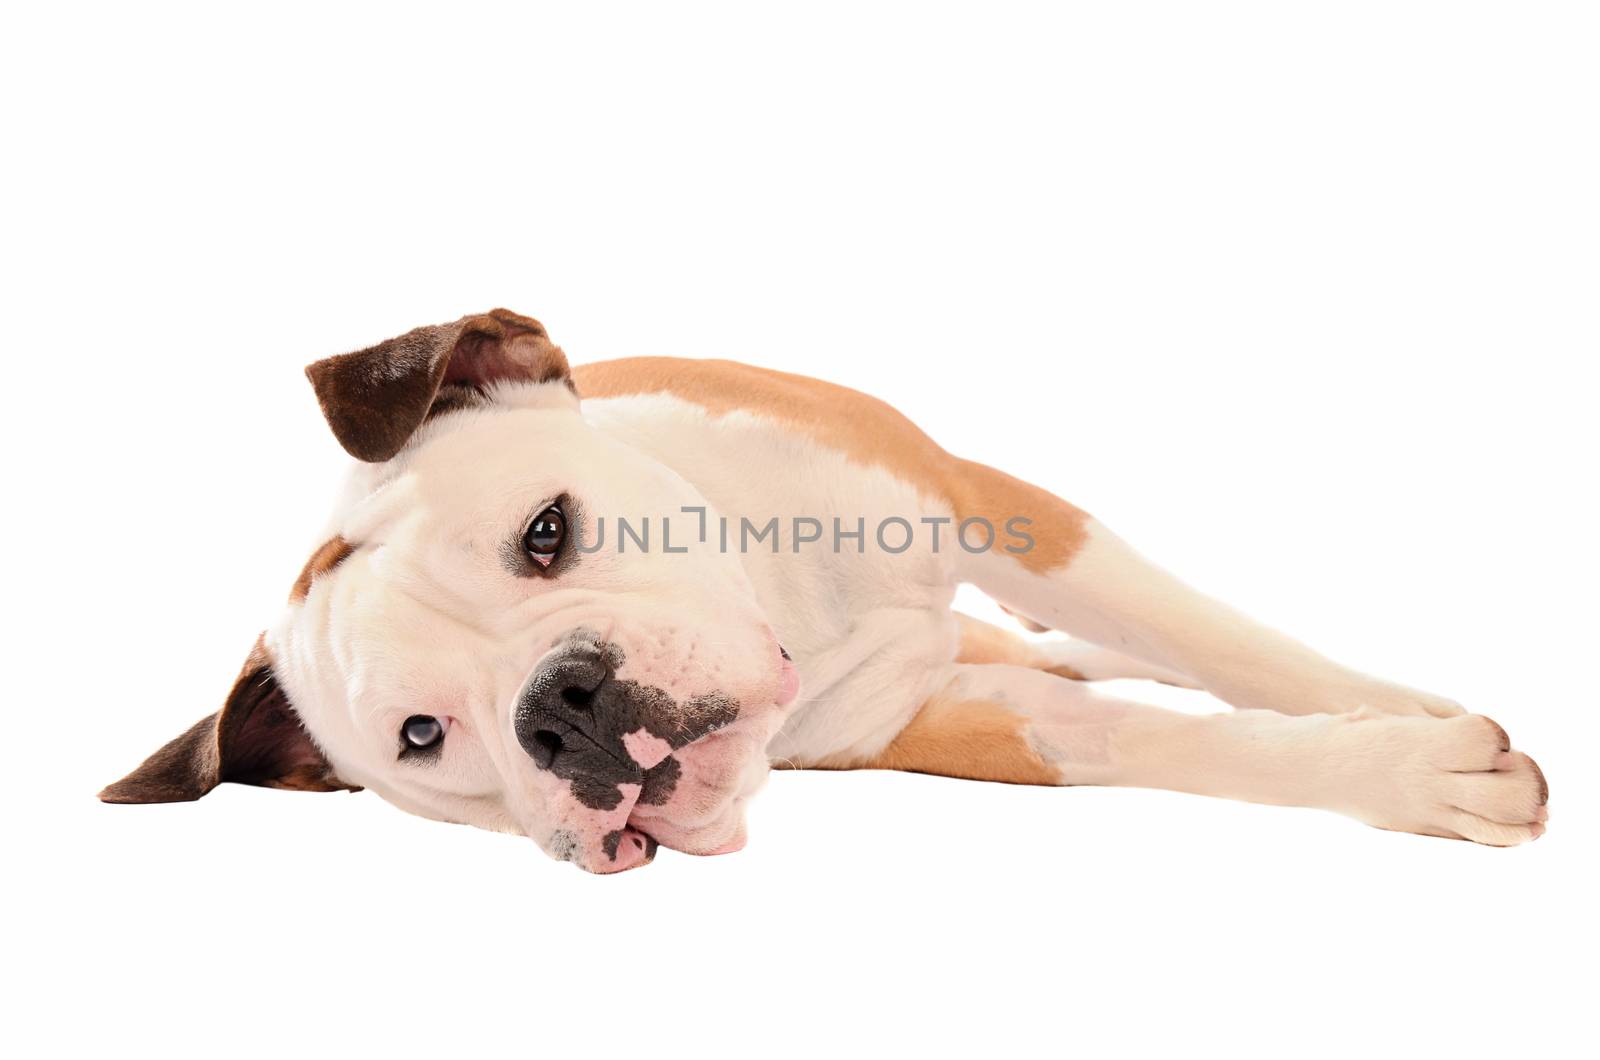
(773,509)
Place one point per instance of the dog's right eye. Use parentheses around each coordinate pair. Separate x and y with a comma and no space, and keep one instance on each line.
(421,733)
(545,536)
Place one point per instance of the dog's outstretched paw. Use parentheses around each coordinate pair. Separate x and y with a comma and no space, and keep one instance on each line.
(1457,778)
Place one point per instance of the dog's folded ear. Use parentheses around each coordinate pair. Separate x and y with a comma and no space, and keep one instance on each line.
(375,399)
(256,738)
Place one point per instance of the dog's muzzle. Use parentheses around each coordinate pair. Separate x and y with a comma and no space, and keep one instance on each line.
(577,720)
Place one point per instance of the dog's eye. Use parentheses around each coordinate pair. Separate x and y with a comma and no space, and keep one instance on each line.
(421,732)
(545,535)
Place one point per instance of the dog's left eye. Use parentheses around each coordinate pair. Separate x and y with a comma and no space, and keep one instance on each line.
(421,732)
(545,536)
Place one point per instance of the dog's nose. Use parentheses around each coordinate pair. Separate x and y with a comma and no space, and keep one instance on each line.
(577,719)
(563,701)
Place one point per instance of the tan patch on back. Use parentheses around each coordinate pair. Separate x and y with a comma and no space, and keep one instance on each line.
(865,429)
(974,739)
(333,552)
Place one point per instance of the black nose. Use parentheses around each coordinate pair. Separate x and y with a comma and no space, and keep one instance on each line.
(575,718)
(561,704)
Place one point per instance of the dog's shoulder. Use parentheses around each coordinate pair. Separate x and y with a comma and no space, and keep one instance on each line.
(838,417)
(727,386)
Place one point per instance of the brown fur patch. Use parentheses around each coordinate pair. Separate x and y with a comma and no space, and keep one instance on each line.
(983,643)
(375,399)
(973,739)
(865,429)
(332,552)
(256,738)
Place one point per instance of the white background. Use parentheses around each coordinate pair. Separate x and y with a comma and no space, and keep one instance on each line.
(1301,299)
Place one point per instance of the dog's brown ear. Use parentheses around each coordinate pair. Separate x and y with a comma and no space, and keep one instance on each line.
(256,738)
(374,399)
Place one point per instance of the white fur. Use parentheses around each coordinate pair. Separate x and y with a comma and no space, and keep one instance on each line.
(424,618)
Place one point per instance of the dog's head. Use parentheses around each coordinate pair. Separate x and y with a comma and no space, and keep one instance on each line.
(466,644)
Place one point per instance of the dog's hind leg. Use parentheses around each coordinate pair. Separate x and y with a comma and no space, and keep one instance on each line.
(1455,777)
(1059,567)
(1080,660)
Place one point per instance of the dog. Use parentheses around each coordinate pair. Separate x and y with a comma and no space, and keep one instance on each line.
(599,624)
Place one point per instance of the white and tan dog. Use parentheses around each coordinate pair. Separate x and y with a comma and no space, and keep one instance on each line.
(570,622)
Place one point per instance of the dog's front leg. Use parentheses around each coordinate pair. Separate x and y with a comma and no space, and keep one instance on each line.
(1455,777)
(1106,592)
